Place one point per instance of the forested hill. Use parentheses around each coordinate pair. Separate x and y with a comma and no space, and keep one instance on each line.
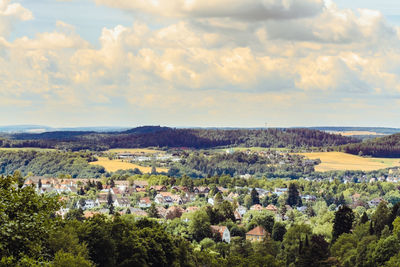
(171,137)
(388,146)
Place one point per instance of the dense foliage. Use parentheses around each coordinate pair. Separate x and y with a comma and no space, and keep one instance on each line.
(171,137)
(50,163)
(31,234)
(241,163)
(388,147)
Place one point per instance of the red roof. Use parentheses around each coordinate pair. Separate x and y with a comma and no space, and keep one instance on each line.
(257,231)
(271,207)
(218,229)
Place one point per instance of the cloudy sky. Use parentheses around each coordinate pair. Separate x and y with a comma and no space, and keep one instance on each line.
(240,63)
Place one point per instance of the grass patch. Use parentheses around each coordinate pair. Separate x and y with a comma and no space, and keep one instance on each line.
(333,161)
(118,164)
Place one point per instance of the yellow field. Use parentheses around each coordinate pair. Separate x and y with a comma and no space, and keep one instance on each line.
(341,161)
(135,150)
(117,164)
(351,133)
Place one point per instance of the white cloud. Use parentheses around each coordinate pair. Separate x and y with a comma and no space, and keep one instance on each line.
(10,13)
(251,10)
(212,63)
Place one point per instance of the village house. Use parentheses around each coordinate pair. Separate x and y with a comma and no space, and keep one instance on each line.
(163,199)
(223,232)
(280,191)
(122,202)
(139,189)
(375,202)
(138,212)
(89,214)
(162,212)
(201,190)
(180,188)
(192,209)
(102,199)
(272,208)
(256,234)
(262,192)
(241,210)
(159,188)
(87,204)
(257,207)
(140,184)
(62,212)
(144,202)
(237,215)
(309,198)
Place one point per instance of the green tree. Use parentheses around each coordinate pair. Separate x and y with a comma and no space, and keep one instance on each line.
(218,198)
(109,198)
(65,259)
(385,249)
(278,231)
(364,218)
(293,198)
(343,222)
(199,225)
(380,218)
(254,197)
(26,219)
(153,212)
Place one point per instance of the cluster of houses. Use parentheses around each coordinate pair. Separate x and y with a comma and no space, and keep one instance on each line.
(143,157)
(136,197)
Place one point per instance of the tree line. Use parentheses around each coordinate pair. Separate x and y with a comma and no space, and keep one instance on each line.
(384,147)
(171,137)
(240,163)
(50,163)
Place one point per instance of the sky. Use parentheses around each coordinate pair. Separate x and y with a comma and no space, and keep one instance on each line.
(219,63)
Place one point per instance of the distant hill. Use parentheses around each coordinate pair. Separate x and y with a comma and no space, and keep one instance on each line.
(388,146)
(12,129)
(147,136)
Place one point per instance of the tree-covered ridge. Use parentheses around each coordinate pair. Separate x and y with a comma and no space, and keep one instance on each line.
(50,163)
(172,137)
(268,163)
(388,147)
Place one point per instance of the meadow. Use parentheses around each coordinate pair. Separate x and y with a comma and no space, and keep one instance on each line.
(118,164)
(332,161)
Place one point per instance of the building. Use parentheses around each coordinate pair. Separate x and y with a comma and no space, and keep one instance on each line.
(375,202)
(280,191)
(256,234)
(223,231)
(144,202)
(272,208)
(256,207)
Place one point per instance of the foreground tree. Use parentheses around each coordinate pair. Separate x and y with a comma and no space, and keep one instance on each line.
(26,219)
